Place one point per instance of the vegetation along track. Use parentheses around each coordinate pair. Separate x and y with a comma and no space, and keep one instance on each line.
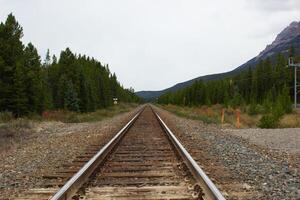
(143,161)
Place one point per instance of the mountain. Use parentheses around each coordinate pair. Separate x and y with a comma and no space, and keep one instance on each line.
(290,36)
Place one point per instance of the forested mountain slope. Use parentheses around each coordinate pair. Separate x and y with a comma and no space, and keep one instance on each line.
(290,36)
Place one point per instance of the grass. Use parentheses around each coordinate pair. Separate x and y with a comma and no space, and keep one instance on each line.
(68,116)
(212,114)
(16,124)
(6,116)
(290,121)
(206,115)
(100,114)
(15,130)
(73,117)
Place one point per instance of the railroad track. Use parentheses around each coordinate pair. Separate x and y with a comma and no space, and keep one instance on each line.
(144,160)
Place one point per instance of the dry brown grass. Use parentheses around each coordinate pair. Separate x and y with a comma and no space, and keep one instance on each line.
(14,131)
(98,115)
(212,114)
(290,120)
(17,130)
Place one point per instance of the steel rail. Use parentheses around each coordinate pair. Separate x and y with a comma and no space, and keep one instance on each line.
(71,187)
(209,187)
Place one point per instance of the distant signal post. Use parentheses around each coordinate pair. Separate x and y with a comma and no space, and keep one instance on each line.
(115,101)
(295,65)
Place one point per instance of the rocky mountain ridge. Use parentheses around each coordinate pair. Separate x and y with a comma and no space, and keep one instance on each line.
(285,36)
(290,36)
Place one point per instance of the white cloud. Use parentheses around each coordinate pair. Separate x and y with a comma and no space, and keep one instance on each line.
(274,5)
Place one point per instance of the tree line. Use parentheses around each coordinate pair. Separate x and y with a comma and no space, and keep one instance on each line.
(73,82)
(268,84)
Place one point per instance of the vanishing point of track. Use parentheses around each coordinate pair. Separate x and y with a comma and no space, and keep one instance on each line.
(144,160)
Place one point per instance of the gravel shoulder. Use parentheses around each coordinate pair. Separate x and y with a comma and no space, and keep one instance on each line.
(243,167)
(282,145)
(49,146)
(286,139)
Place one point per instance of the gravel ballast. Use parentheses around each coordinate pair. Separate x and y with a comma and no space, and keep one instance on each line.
(244,164)
(286,139)
(51,145)
(241,167)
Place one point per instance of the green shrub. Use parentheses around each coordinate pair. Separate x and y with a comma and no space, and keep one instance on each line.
(208,120)
(21,123)
(255,109)
(6,116)
(72,118)
(269,121)
(278,110)
(236,101)
(252,110)
(274,112)
(260,109)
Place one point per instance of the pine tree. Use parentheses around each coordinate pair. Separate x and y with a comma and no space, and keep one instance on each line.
(83,94)
(292,51)
(47,96)
(54,59)
(32,68)
(285,99)
(11,52)
(70,99)
(47,61)
(70,82)
(18,97)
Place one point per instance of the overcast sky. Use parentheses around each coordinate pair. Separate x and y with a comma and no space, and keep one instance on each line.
(154,44)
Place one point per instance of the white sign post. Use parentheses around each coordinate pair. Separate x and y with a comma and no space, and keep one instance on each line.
(295,65)
(115,101)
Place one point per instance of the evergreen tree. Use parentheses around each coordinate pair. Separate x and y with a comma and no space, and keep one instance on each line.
(32,67)
(73,82)
(70,97)
(11,53)
(292,51)
(47,61)
(264,84)
(54,59)
(19,99)
(83,94)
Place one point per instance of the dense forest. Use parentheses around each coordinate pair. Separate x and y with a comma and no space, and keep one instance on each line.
(267,87)
(72,82)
